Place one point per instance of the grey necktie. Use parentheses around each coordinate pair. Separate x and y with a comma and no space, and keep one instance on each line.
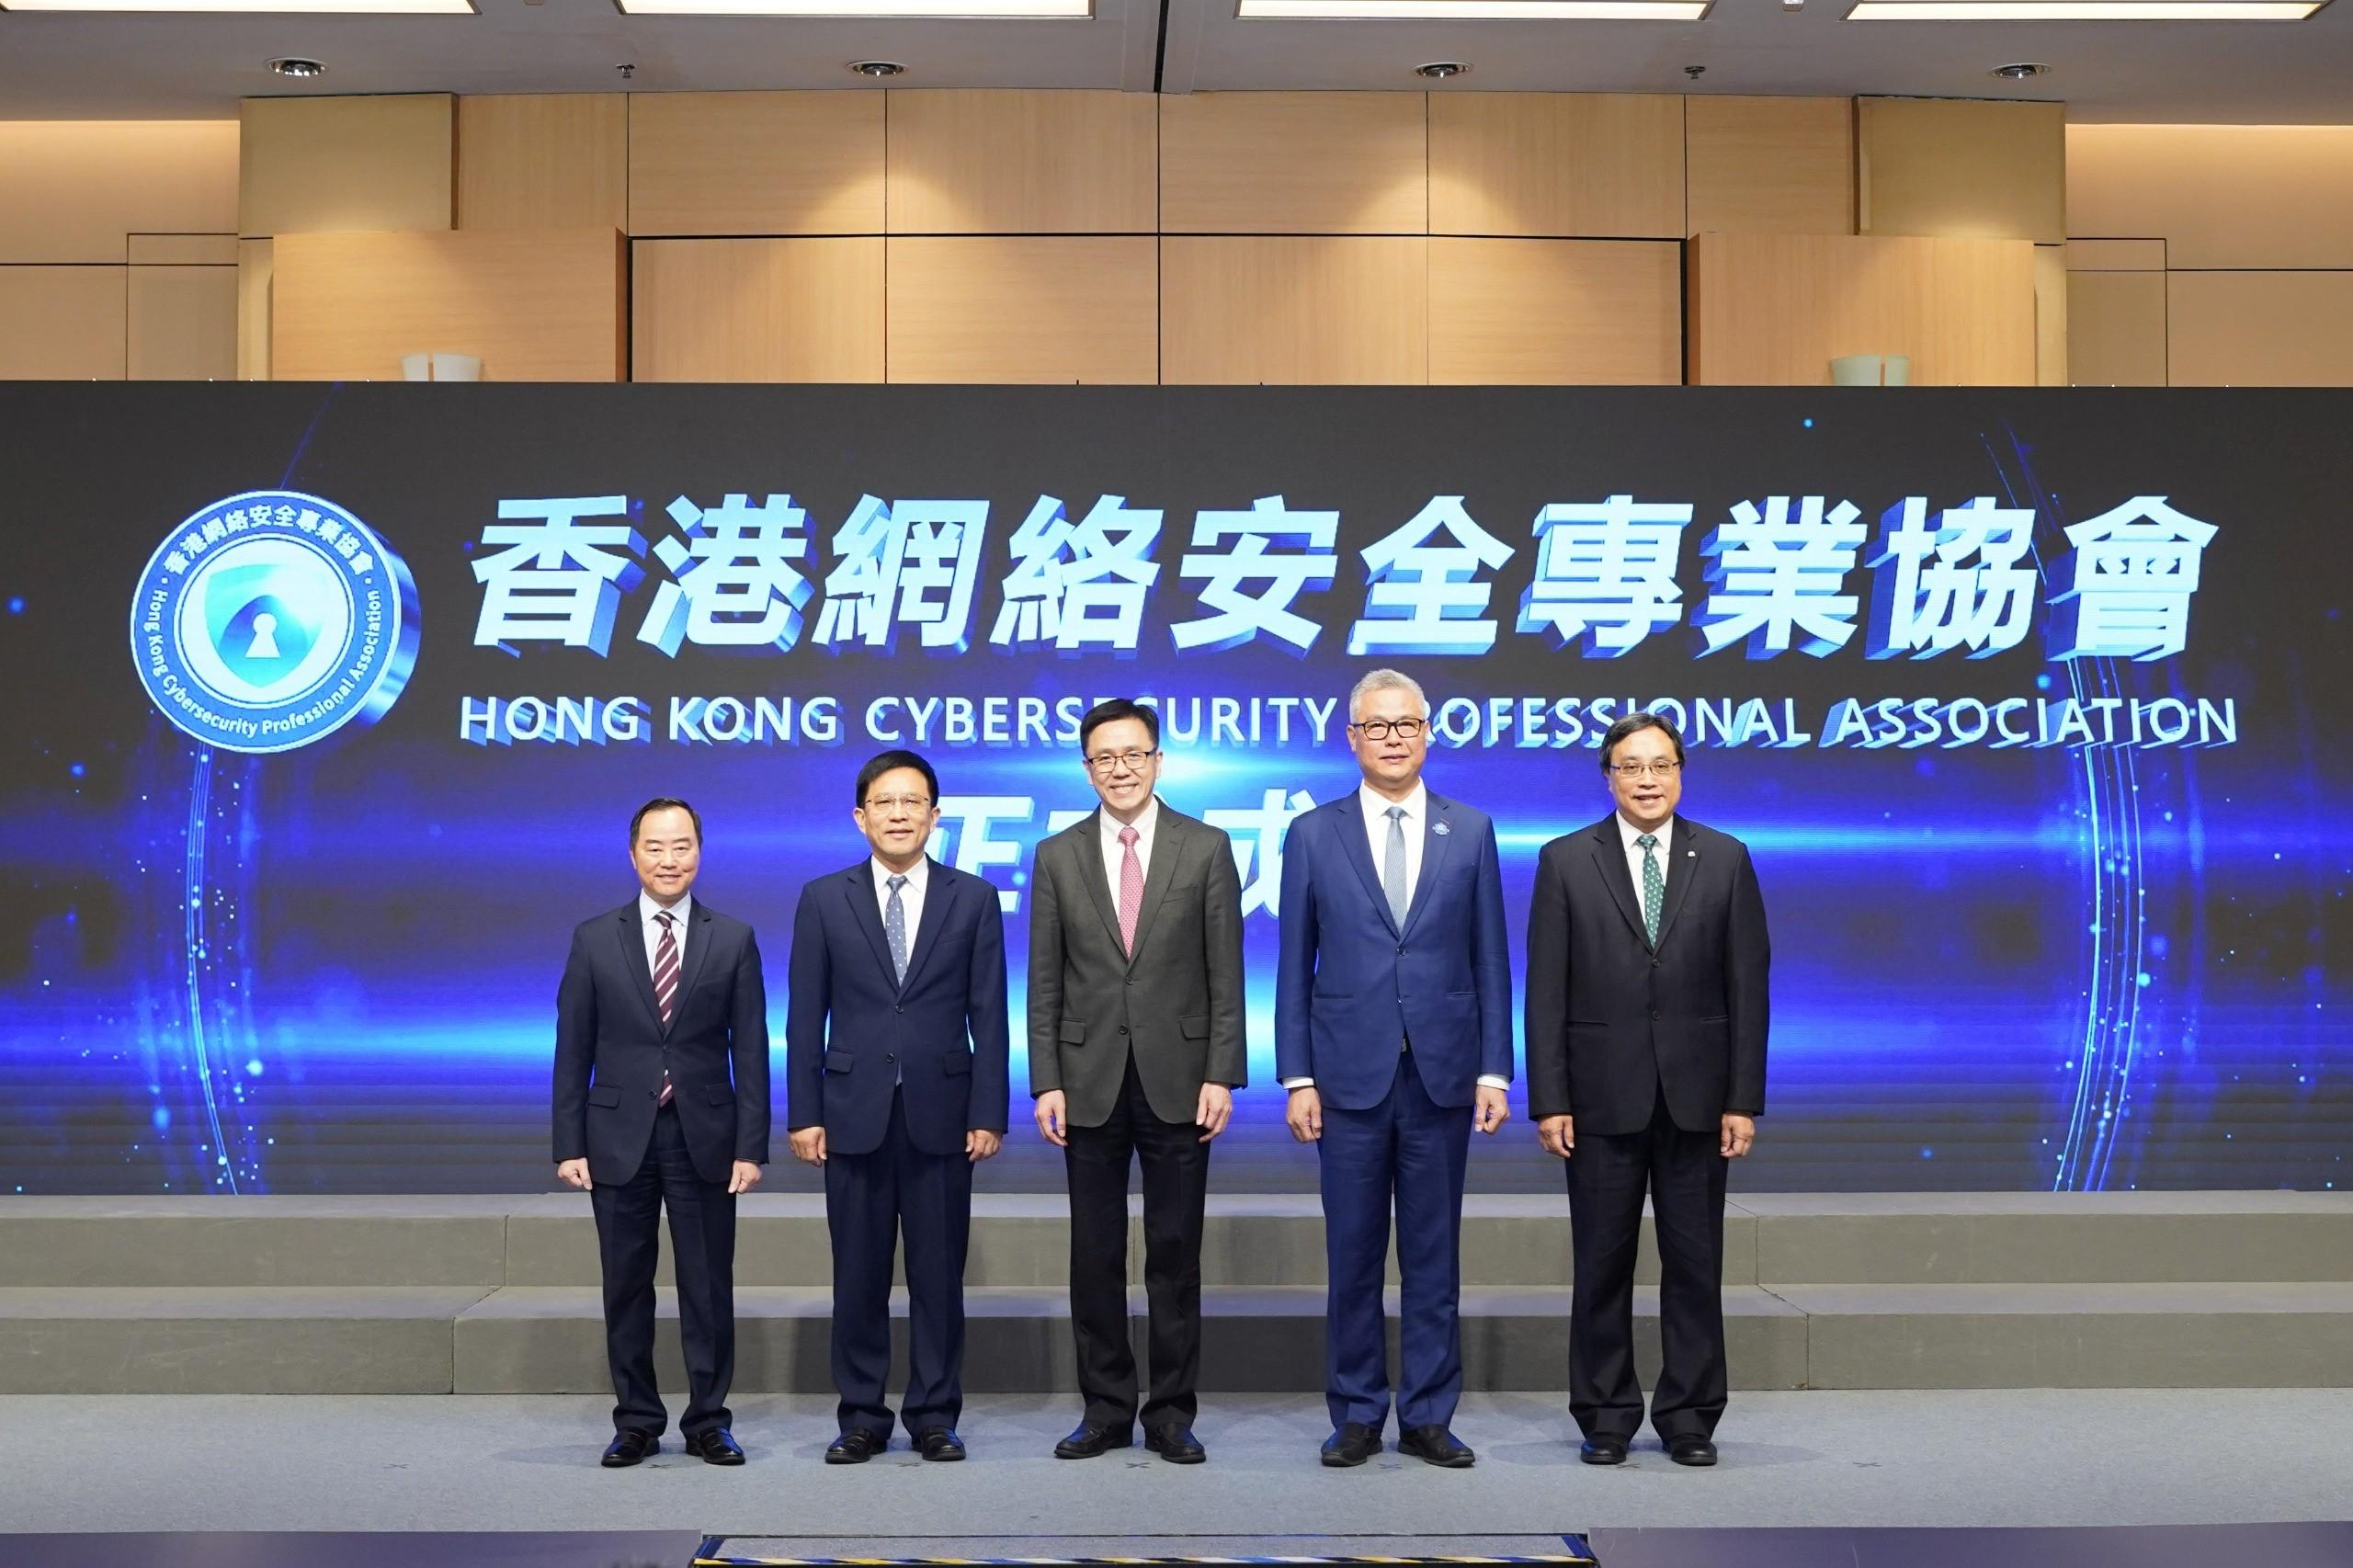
(894,927)
(1654,885)
(1392,866)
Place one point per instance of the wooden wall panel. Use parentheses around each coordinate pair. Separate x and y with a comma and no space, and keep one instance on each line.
(1294,163)
(254,258)
(758,310)
(183,323)
(1773,309)
(2219,195)
(2051,315)
(543,160)
(1770,165)
(321,166)
(536,304)
(1295,310)
(183,250)
(1022,163)
(806,162)
(70,191)
(1963,168)
(2116,329)
(1024,308)
(2259,329)
(63,323)
(2116,256)
(1560,312)
(1557,163)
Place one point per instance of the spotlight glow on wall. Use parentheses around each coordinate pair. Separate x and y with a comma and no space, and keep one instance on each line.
(2084,10)
(1475,11)
(872,10)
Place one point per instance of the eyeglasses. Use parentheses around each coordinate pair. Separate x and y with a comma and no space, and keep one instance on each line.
(1112,761)
(1381,729)
(1665,769)
(887,802)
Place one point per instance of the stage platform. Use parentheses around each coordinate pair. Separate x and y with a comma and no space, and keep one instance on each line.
(497,1295)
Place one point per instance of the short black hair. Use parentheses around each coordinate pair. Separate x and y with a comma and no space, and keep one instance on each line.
(664,803)
(1634,722)
(1111,712)
(890,762)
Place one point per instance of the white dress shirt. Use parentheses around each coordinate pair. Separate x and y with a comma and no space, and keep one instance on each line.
(1629,833)
(1114,852)
(646,910)
(910,897)
(1416,823)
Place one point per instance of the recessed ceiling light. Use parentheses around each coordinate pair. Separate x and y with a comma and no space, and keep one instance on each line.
(2019,72)
(295,65)
(263,8)
(924,10)
(2084,10)
(1442,69)
(1475,11)
(878,67)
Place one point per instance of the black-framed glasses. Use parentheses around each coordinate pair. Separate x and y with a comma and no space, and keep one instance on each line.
(1664,770)
(1381,729)
(1110,761)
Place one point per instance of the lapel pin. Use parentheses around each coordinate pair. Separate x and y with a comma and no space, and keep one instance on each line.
(1690,854)
(1440,829)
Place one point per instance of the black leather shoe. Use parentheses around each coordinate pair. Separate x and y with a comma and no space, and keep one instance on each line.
(856,1447)
(1088,1439)
(1352,1445)
(1689,1448)
(1177,1443)
(628,1446)
(940,1443)
(1603,1448)
(715,1445)
(1435,1445)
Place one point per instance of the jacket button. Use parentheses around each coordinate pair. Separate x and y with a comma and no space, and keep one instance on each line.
(652,1094)
(1123,1028)
(1654,1013)
(888,1057)
(1132,980)
(900,1007)
(1653,963)
(1401,952)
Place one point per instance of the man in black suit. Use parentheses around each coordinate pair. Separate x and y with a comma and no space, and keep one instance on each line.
(660,999)
(1136,1046)
(895,1084)
(1647,964)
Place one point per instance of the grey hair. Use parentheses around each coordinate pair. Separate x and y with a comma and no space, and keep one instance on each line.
(1386,681)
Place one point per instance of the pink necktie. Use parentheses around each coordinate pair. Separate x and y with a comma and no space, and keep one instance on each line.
(666,984)
(1130,889)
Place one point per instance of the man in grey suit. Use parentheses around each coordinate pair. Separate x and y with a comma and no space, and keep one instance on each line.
(1136,1045)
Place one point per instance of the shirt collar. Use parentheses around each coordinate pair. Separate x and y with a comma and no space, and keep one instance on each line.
(919,875)
(1146,820)
(1375,805)
(1628,832)
(647,909)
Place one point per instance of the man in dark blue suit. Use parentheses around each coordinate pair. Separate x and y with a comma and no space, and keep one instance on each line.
(1393,1033)
(662,1102)
(895,1084)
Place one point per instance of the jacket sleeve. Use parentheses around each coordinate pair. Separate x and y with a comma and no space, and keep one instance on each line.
(748,1043)
(985,1017)
(808,1001)
(1228,1053)
(575,1053)
(1548,990)
(1491,963)
(1295,960)
(1045,977)
(1749,962)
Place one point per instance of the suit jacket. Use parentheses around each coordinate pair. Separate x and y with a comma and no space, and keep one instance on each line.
(1177,1008)
(1352,985)
(611,1047)
(1610,1020)
(853,1032)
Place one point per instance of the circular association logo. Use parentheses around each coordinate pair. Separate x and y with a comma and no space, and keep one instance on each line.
(271,619)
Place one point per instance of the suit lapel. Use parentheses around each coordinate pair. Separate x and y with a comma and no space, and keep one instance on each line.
(633,935)
(1359,850)
(938,898)
(1609,860)
(1679,873)
(1434,842)
(1172,833)
(1091,871)
(857,887)
(698,948)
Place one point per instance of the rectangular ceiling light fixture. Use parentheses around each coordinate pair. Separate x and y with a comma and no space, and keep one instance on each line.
(2084,10)
(882,10)
(257,7)
(1477,10)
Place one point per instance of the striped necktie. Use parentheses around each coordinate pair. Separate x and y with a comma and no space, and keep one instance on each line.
(666,983)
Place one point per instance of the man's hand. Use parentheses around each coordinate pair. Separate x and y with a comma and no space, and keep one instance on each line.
(1304,1114)
(1490,1110)
(1051,1119)
(746,1175)
(573,1172)
(1739,1135)
(1213,1110)
(809,1144)
(979,1144)
(1558,1134)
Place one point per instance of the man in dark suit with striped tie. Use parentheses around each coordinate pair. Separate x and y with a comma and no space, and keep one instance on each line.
(662,1102)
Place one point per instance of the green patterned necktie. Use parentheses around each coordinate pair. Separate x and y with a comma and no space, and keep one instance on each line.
(1654,885)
